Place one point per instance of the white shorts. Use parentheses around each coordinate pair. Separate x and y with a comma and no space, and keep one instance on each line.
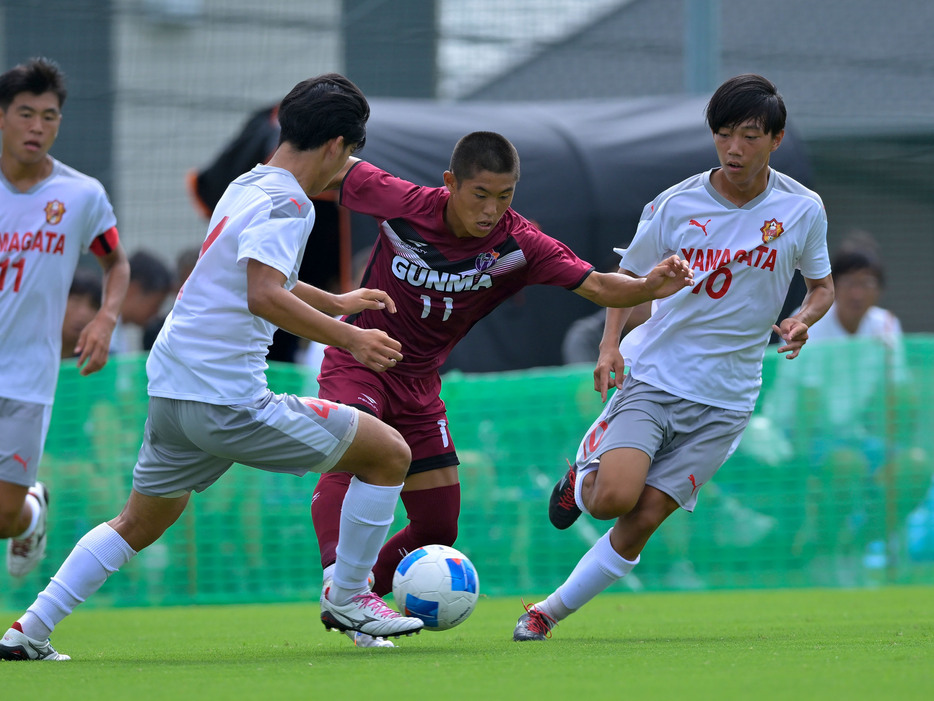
(23,428)
(189,445)
(686,441)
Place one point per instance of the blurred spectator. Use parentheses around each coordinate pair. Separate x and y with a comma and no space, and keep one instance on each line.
(151,282)
(858,278)
(84,300)
(852,420)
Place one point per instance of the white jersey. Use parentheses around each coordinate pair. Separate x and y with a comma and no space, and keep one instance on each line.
(211,348)
(706,343)
(43,233)
(846,380)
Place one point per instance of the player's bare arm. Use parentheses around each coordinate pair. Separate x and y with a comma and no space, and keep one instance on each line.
(610,364)
(794,329)
(349,303)
(624,290)
(93,346)
(268,298)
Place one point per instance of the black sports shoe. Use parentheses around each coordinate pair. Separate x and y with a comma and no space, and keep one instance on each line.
(562,509)
(533,625)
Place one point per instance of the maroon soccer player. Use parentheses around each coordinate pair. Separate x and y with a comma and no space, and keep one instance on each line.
(448,256)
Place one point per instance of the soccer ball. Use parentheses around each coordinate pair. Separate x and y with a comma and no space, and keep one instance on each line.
(437,584)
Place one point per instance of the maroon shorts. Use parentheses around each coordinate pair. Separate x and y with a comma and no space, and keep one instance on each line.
(410,404)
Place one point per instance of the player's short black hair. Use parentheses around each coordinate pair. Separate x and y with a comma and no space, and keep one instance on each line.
(36,76)
(484,150)
(323,108)
(746,97)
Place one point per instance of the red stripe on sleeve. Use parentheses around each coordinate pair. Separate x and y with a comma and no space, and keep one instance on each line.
(106,242)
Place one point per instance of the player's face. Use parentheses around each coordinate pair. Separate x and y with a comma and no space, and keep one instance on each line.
(744,152)
(30,126)
(477,204)
(854,293)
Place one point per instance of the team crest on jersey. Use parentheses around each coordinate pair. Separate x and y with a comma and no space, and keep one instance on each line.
(486,260)
(54,211)
(771,230)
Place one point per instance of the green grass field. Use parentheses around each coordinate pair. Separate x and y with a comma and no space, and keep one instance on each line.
(800,644)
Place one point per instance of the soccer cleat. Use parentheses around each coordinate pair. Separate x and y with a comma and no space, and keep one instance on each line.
(533,625)
(359,639)
(16,645)
(562,509)
(367,613)
(23,554)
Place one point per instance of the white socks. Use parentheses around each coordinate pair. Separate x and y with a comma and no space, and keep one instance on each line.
(600,567)
(100,553)
(366,515)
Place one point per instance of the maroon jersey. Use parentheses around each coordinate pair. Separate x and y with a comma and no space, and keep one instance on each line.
(443,285)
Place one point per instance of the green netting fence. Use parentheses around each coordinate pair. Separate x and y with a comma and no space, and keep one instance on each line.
(831,486)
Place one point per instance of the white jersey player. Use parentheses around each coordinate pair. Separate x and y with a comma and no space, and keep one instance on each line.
(209,404)
(50,214)
(695,365)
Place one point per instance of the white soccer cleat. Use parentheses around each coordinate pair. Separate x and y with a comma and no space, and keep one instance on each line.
(367,613)
(23,554)
(18,646)
(357,638)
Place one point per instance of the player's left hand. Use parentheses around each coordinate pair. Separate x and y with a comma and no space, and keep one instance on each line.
(93,346)
(365,298)
(795,335)
(669,276)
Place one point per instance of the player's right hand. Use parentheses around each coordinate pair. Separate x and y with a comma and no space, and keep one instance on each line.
(609,372)
(93,347)
(671,275)
(365,298)
(376,349)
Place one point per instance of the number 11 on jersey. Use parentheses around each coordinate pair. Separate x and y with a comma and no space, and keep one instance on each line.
(448,306)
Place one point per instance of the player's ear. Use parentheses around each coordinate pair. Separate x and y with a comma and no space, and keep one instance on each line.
(450,182)
(777,139)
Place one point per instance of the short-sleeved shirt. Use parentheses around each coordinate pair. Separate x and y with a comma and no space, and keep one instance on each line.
(43,233)
(844,373)
(212,348)
(706,343)
(442,285)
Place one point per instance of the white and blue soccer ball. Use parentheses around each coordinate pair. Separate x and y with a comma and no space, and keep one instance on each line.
(437,584)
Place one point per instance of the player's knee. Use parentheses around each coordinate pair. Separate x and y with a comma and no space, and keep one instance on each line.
(396,455)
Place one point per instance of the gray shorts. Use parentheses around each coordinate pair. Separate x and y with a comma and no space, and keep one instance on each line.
(687,441)
(189,445)
(23,428)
